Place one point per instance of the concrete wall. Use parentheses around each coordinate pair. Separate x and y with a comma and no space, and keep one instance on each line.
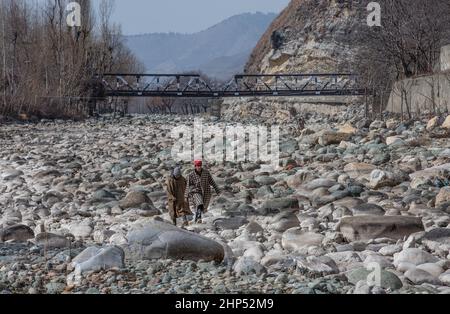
(421,93)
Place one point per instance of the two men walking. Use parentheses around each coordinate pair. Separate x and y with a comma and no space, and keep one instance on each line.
(196,190)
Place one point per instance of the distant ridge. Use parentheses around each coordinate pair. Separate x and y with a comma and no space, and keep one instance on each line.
(219,51)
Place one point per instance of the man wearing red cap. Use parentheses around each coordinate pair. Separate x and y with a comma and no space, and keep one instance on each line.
(198,189)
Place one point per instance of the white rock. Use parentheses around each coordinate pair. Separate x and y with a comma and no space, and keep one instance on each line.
(431,268)
(414,256)
(419,276)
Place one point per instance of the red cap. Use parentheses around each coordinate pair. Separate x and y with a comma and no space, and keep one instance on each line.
(198,163)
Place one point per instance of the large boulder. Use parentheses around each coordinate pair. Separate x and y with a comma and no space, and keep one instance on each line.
(157,240)
(372,227)
(17,233)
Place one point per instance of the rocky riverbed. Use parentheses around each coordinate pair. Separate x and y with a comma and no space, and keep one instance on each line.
(358,206)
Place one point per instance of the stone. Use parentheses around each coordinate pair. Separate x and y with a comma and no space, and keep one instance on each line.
(276,205)
(134,200)
(11,174)
(445,278)
(440,235)
(388,280)
(368,209)
(230,223)
(316,266)
(431,268)
(432,124)
(405,266)
(430,173)
(96,259)
(419,276)
(379,179)
(320,183)
(253,227)
(378,259)
(345,260)
(284,221)
(414,256)
(443,196)
(372,227)
(81,231)
(294,181)
(16,233)
(328,137)
(248,266)
(295,239)
(390,250)
(395,141)
(446,124)
(52,241)
(55,287)
(159,240)
(359,170)
(347,129)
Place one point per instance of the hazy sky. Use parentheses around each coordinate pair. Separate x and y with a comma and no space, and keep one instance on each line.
(184,16)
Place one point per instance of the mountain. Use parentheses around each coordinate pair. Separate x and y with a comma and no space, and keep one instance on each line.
(310,36)
(219,51)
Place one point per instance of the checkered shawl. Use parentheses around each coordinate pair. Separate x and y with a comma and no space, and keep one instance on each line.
(200,184)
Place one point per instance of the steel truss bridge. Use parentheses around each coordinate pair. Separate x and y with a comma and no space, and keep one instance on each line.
(194,86)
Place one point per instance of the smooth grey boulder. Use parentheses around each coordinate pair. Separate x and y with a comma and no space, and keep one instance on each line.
(96,259)
(17,233)
(419,276)
(159,240)
(369,227)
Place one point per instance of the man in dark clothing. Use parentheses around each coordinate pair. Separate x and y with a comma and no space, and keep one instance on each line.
(178,206)
(198,189)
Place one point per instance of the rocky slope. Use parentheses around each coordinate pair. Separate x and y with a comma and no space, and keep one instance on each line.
(83,210)
(309,36)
